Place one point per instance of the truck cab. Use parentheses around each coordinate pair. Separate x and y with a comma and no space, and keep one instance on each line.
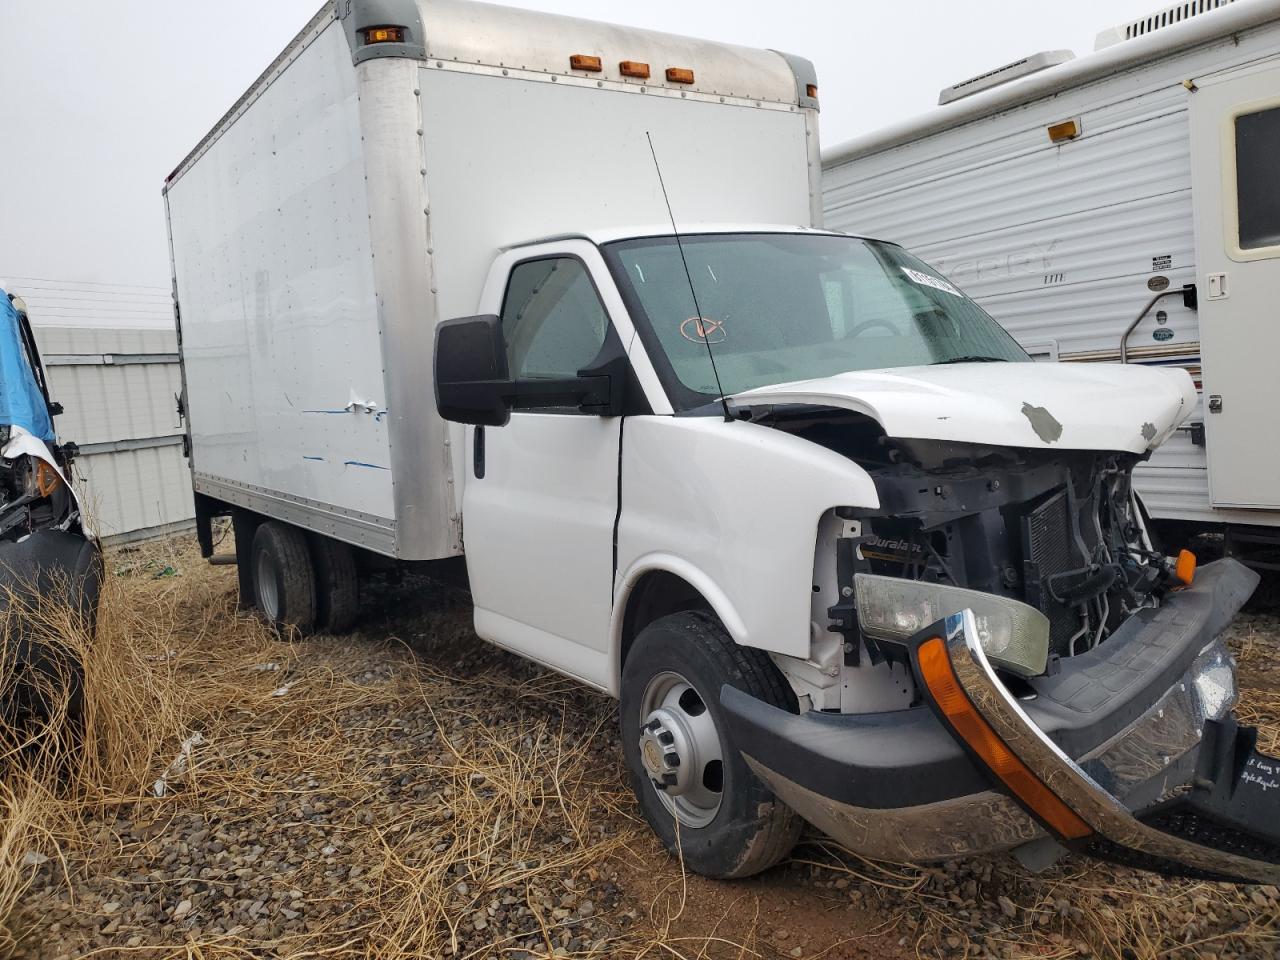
(773,488)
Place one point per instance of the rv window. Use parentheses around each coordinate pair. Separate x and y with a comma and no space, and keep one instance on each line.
(1257,186)
(552,319)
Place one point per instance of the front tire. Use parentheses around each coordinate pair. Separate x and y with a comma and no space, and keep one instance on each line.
(694,788)
(284,583)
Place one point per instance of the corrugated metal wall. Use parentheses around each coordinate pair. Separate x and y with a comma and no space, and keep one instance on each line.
(118,387)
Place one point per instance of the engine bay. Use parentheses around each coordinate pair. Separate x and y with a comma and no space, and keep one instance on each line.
(1061,531)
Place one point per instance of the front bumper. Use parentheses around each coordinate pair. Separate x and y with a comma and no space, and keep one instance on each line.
(1135,737)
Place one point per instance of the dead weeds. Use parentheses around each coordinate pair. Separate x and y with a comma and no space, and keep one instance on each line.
(411,792)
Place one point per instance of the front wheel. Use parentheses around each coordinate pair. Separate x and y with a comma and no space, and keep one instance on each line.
(694,788)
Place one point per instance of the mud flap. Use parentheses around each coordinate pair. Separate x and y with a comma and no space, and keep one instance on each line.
(1221,823)
(47,567)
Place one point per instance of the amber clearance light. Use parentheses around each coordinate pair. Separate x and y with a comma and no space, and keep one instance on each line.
(940,678)
(1064,131)
(384,35)
(634,68)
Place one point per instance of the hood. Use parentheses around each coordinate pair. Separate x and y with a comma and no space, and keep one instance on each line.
(1066,406)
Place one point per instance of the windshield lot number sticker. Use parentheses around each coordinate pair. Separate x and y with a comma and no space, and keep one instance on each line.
(927,281)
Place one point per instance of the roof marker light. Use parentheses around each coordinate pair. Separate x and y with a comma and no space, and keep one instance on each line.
(584,61)
(679,75)
(383,35)
(634,68)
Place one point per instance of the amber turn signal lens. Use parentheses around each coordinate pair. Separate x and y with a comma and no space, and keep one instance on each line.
(384,35)
(1185,568)
(634,68)
(47,479)
(679,75)
(583,61)
(940,678)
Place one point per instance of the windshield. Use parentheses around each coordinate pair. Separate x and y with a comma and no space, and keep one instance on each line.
(782,307)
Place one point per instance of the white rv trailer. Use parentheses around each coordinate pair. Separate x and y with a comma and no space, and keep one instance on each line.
(1119,207)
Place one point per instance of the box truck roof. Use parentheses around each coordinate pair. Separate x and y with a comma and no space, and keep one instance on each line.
(511,42)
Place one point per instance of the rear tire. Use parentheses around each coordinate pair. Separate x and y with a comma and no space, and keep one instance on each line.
(337,584)
(283,577)
(714,812)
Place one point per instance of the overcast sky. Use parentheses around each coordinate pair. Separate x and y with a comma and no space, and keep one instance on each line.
(100,100)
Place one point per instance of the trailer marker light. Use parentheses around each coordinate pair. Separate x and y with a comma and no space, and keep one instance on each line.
(1185,568)
(811,91)
(634,68)
(583,61)
(679,75)
(935,668)
(383,35)
(1064,131)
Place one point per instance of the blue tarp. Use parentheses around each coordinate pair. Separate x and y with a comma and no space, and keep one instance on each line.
(21,403)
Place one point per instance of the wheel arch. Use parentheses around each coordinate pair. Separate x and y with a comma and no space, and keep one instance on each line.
(657,585)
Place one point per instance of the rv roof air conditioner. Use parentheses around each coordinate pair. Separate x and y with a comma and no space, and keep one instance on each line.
(1167,17)
(1002,75)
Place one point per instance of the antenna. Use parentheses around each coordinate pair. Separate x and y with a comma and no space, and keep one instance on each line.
(689,277)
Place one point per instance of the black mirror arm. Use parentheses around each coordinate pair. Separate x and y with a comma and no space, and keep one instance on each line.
(590,391)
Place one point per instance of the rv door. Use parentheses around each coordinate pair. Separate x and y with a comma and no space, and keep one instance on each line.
(1235,140)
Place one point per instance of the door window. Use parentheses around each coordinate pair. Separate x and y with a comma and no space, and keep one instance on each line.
(552,319)
(1257,182)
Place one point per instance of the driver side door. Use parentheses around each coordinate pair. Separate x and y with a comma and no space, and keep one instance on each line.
(541,496)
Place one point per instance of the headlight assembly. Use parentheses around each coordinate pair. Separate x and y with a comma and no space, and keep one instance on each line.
(1014,636)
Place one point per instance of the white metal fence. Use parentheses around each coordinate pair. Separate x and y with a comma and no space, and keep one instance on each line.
(118,388)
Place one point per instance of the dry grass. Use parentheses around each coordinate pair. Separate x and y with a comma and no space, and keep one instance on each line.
(243,726)
(449,778)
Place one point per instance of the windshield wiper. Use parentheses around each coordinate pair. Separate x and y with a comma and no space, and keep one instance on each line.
(969,359)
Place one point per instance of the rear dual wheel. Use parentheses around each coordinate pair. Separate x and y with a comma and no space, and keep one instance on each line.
(694,788)
(305,582)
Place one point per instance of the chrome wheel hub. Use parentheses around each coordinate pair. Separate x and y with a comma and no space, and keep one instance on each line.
(680,749)
(268,596)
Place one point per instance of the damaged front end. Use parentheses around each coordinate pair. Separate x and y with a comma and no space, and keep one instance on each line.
(50,562)
(1005,661)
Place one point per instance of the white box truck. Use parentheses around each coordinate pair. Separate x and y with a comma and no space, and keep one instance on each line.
(1120,207)
(548,295)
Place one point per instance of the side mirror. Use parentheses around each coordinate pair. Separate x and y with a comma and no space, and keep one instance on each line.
(474,385)
(472,382)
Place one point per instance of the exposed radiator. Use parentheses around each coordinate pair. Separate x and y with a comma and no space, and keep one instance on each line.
(1046,550)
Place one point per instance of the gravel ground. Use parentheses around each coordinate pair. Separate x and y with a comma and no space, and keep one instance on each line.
(410,791)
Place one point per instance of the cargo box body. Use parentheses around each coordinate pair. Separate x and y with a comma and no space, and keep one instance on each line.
(357,195)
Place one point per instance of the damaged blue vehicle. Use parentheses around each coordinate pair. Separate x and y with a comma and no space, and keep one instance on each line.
(50,559)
